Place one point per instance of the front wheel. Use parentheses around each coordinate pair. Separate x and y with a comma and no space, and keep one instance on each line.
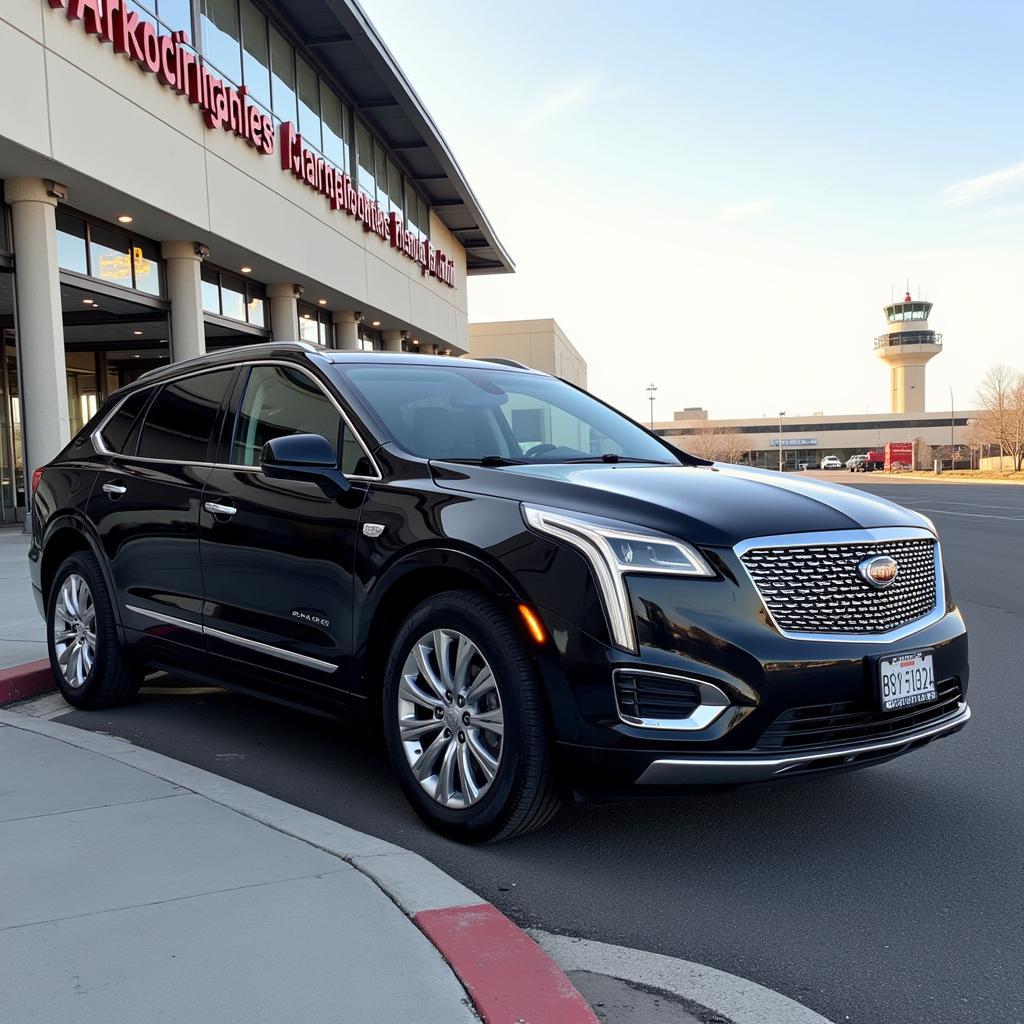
(465,721)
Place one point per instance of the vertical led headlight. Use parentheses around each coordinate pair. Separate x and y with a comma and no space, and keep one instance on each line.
(614,549)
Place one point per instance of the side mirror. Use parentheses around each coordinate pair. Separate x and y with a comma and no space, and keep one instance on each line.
(308,457)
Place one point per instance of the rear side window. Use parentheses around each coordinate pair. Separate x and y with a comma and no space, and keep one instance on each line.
(182,418)
(116,430)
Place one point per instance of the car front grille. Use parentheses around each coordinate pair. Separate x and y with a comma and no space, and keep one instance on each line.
(816,588)
(831,725)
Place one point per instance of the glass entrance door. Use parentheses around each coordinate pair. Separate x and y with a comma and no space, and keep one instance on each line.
(12,469)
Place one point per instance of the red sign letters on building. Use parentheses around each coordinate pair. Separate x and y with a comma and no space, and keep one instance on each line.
(180,68)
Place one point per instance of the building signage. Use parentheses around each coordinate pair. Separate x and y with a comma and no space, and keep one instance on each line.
(341,191)
(178,67)
(795,442)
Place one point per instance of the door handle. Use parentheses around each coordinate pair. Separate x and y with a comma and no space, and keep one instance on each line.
(218,509)
(115,490)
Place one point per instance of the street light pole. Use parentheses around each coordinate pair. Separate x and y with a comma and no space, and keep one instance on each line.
(651,388)
(782,412)
(951,422)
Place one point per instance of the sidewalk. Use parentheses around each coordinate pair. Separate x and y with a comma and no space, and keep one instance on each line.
(130,898)
(22,634)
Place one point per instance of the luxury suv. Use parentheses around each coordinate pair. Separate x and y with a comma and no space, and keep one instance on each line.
(532,596)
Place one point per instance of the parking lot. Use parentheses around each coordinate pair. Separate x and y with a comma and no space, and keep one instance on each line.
(888,895)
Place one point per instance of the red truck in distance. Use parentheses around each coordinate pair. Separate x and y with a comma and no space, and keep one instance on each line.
(896,455)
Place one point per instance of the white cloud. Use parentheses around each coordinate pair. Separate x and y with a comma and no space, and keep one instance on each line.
(746,211)
(556,102)
(971,190)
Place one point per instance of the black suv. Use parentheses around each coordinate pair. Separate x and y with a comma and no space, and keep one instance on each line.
(531,594)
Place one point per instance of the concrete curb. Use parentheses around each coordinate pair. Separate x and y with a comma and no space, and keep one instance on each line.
(25,681)
(509,978)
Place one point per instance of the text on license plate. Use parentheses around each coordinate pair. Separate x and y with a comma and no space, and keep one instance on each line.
(906,680)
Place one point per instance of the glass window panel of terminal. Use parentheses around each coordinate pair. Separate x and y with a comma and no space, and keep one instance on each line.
(364,154)
(255,54)
(380,164)
(282,76)
(210,284)
(222,37)
(309,103)
(335,141)
(110,256)
(395,189)
(146,267)
(71,244)
(175,14)
(232,297)
(255,310)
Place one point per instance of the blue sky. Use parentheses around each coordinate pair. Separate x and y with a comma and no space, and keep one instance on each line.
(718,197)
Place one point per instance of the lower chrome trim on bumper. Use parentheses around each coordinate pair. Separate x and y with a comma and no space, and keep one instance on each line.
(723,771)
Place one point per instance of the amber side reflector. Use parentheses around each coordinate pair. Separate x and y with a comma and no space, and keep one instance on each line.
(533,623)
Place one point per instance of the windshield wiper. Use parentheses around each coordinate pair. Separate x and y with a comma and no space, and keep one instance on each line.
(612,457)
(490,460)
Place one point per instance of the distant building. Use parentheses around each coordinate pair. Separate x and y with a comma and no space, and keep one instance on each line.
(541,344)
(906,348)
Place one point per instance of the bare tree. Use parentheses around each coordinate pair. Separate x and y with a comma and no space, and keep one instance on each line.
(1001,423)
(717,445)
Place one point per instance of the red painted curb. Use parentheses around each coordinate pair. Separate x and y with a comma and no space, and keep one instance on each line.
(510,979)
(25,681)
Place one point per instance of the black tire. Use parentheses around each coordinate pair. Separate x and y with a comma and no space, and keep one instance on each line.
(112,679)
(522,795)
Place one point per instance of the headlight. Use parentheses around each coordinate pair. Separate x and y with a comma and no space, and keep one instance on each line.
(614,549)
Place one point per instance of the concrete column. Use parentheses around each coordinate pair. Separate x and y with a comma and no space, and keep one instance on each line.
(346,329)
(284,311)
(44,406)
(392,341)
(182,261)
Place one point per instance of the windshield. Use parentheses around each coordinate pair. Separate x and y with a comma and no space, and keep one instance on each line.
(471,414)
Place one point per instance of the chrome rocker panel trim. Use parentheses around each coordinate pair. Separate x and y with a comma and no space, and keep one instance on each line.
(672,771)
(865,536)
(195,627)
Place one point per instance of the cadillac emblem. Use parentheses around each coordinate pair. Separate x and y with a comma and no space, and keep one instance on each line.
(880,571)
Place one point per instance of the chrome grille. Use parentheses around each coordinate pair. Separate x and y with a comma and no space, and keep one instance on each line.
(816,588)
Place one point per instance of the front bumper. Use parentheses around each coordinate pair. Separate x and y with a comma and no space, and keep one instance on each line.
(734,771)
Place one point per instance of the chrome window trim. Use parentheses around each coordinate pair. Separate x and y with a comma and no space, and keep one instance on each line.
(707,712)
(671,771)
(869,535)
(103,450)
(256,645)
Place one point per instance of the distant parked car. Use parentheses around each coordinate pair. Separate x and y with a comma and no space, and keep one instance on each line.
(854,462)
(831,462)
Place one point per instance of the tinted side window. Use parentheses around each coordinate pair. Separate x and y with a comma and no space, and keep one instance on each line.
(117,428)
(280,401)
(182,418)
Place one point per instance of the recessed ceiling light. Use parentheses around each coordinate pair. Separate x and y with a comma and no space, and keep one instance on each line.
(415,341)
(136,332)
(125,218)
(246,270)
(87,302)
(305,316)
(322,302)
(136,356)
(376,323)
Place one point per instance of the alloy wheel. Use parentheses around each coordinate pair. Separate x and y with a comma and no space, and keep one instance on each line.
(74,630)
(450,718)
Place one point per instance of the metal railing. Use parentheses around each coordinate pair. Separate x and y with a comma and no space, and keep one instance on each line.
(908,338)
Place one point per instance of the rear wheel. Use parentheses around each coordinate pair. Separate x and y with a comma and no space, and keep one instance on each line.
(88,664)
(465,721)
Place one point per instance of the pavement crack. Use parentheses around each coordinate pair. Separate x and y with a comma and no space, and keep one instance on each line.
(95,807)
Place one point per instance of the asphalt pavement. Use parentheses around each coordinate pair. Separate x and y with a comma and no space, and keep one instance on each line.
(891,895)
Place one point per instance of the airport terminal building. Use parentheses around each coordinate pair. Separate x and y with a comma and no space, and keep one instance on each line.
(181,175)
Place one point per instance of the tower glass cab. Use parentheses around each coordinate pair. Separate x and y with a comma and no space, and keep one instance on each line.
(906,348)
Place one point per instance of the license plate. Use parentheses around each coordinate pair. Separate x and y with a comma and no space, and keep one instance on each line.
(906,680)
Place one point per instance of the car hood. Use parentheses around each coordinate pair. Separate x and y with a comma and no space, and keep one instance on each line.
(716,505)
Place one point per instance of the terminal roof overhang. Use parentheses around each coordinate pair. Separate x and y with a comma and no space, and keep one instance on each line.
(340,34)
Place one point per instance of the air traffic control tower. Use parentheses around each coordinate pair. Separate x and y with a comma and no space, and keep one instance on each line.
(906,349)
